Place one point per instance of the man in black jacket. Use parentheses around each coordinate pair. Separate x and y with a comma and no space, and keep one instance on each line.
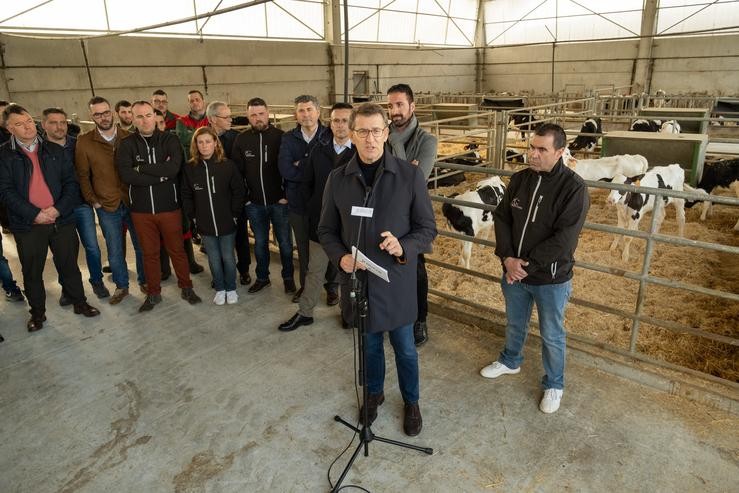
(390,198)
(39,188)
(255,153)
(149,161)
(537,225)
(333,152)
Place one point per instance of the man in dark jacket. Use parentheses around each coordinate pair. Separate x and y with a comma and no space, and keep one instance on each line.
(39,188)
(390,198)
(411,142)
(255,153)
(160,102)
(294,151)
(335,151)
(4,134)
(537,225)
(149,161)
(219,118)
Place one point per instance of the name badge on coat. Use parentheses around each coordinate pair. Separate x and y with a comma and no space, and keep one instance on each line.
(362,211)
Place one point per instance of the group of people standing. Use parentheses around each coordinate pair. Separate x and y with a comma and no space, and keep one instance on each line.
(169,178)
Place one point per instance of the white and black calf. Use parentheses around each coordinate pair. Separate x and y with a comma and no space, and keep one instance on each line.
(587,142)
(472,221)
(631,207)
(716,176)
(666,127)
(605,168)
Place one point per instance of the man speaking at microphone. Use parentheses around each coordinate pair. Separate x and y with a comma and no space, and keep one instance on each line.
(389,196)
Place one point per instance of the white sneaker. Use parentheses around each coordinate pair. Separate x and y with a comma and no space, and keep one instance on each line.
(550,402)
(220,298)
(496,369)
(232,297)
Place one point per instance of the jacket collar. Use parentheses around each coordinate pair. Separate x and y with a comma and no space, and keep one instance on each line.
(15,144)
(391,164)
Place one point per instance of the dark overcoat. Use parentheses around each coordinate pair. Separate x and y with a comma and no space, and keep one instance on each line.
(400,203)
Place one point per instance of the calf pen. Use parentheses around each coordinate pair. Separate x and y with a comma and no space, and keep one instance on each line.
(662,307)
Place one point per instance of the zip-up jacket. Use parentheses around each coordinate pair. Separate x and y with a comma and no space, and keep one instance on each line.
(323,159)
(150,170)
(213,195)
(255,154)
(97,172)
(294,152)
(539,220)
(15,177)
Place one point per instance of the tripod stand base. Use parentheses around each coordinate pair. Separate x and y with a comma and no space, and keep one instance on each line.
(365,437)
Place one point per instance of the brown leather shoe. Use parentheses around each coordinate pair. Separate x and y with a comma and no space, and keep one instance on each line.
(373,402)
(118,295)
(86,310)
(36,322)
(412,422)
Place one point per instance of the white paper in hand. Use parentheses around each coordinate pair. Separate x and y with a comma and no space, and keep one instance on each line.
(371,266)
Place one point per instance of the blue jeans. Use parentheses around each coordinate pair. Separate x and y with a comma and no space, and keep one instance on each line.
(406,362)
(260,217)
(6,275)
(112,224)
(551,300)
(221,260)
(85,222)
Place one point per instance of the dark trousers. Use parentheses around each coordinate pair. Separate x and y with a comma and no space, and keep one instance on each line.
(152,231)
(300,225)
(33,246)
(422,289)
(243,255)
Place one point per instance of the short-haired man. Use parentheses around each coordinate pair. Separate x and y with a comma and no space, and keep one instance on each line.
(187,124)
(538,257)
(410,142)
(333,152)
(149,161)
(219,118)
(125,117)
(401,226)
(103,189)
(160,102)
(40,191)
(161,124)
(255,153)
(294,151)
(54,124)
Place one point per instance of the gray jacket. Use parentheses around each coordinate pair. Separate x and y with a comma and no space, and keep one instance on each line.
(401,205)
(414,144)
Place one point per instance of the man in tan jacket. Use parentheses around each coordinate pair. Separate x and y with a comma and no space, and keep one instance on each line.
(103,190)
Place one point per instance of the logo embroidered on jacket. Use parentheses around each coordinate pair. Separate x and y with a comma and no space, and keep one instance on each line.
(249,153)
(198,187)
(516,204)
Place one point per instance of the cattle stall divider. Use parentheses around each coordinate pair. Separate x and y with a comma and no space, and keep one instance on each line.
(643,277)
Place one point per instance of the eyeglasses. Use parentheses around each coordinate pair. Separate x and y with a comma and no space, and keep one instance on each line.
(159,101)
(104,114)
(364,132)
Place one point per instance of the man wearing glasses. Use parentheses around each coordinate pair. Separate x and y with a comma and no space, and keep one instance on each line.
(409,141)
(389,196)
(103,189)
(160,102)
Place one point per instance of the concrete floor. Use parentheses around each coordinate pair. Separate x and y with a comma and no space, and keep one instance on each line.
(215,399)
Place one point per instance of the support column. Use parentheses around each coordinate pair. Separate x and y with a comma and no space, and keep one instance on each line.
(4,87)
(332,33)
(642,77)
(480,48)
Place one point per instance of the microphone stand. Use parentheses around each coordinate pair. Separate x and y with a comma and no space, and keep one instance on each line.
(360,308)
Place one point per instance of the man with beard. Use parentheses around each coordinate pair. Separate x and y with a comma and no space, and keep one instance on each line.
(410,142)
(54,124)
(125,117)
(103,189)
(161,103)
(255,153)
(187,124)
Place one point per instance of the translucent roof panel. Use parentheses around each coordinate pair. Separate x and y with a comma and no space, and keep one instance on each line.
(679,16)
(55,15)
(432,22)
(518,22)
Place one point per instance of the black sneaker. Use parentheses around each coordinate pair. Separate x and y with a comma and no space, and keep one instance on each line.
(15,295)
(245,279)
(149,302)
(100,290)
(189,295)
(258,285)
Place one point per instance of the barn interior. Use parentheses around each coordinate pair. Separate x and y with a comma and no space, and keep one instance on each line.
(206,398)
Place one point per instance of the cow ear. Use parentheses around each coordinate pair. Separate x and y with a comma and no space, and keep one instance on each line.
(637,183)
